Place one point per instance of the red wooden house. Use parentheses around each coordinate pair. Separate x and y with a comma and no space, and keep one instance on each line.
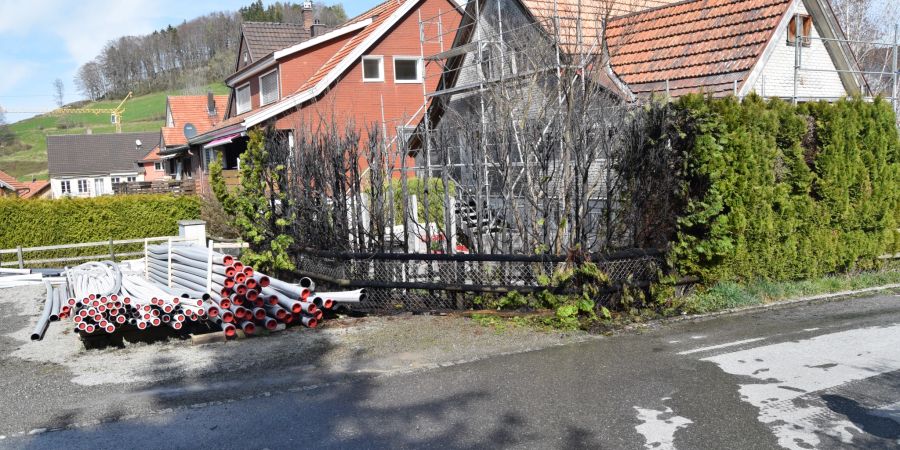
(369,70)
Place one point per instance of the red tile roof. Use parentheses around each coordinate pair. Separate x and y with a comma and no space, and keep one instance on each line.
(10,181)
(192,109)
(699,45)
(591,12)
(34,188)
(152,156)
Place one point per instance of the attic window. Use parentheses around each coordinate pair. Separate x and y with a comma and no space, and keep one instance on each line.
(805,30)
(243,99)
(373,68)
(268,88)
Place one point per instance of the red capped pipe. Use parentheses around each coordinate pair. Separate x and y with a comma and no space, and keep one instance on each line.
(248,327)
(309,322)
(259,313)
(228,328)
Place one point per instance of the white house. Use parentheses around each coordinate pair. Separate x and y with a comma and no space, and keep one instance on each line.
(87,165)
(661,46)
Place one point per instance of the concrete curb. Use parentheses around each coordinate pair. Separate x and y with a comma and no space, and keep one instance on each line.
(835,296)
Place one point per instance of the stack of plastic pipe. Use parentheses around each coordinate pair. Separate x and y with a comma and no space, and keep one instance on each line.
(252,298)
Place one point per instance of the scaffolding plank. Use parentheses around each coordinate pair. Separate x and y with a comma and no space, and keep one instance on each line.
(455,51)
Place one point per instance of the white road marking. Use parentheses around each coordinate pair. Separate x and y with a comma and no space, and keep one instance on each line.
(658,426)
(698,337)
(786,372)
(812,329)
(714,347)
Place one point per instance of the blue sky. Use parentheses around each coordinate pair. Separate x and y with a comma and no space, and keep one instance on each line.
(41,40)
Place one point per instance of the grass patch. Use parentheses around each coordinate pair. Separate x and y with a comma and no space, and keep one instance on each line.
(28,157)
(727,295)
(718,297)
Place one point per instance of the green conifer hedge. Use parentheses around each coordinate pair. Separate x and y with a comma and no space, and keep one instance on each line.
(782,192)
(36,223)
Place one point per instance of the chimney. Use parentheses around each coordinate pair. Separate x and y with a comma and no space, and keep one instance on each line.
(211,104)
(307,15)
(317,29)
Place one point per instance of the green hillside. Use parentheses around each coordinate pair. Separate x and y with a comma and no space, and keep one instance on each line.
(28,158)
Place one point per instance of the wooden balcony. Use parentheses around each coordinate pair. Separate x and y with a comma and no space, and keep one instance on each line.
(184,187)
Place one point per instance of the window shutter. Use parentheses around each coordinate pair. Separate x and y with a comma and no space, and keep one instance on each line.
(269,88)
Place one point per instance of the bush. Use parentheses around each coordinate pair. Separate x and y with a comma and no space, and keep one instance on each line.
(34,223)
(782,192)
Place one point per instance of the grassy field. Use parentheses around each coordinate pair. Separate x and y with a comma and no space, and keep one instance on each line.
(28,158)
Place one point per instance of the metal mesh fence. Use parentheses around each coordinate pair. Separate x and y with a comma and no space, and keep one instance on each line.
(419,283)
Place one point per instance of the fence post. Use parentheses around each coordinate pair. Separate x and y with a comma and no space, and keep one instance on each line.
(112,253)
(21,257)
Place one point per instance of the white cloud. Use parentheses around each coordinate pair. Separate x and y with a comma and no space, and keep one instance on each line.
(84,26)
(23,16)
(12,74)
(85,32)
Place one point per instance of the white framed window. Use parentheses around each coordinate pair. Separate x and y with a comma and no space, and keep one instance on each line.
(268,88)
(115,180)
(131,179)
(157,166)
(65,187)
(407,69)
(373,68)
(83,186)
(242,99)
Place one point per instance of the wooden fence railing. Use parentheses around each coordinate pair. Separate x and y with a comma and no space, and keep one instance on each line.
(186,187)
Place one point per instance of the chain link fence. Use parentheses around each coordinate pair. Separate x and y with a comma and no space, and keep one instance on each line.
(433,282)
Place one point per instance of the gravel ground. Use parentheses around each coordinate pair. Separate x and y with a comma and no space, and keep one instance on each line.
(59,378)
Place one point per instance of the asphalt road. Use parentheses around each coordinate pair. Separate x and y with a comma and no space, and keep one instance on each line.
(814,376)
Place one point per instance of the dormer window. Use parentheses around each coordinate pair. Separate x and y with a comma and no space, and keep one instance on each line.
(242,99)
(805,30)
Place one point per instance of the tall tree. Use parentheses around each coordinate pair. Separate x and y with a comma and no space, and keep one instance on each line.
(89,80)
(59,92)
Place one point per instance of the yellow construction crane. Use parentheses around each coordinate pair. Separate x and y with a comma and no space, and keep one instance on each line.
(115,114)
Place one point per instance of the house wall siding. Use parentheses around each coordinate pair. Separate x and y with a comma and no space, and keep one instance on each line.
(56,185)
(400,103)
(777,78)
(299,67)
